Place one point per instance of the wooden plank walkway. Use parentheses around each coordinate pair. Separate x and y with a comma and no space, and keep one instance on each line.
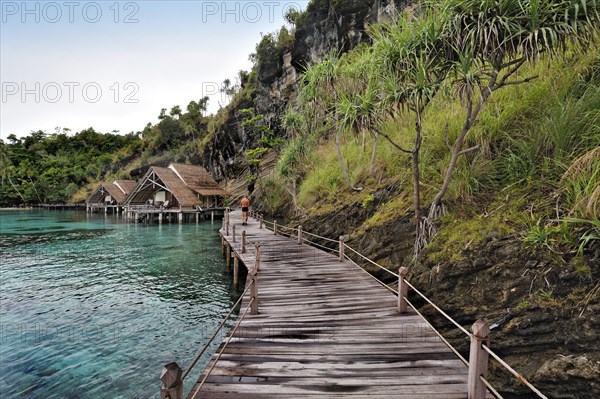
(326,329)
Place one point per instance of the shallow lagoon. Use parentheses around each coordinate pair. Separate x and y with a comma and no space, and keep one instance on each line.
(92,307)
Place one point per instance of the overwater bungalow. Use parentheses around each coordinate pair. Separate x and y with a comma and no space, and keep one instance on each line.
(110,196)
(177,187)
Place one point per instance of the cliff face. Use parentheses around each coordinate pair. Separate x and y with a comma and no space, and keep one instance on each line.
(337,29)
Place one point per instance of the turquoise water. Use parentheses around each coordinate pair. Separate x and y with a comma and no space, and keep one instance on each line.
(92,307)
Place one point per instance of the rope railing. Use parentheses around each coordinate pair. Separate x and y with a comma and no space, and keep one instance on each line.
(513,372)
(216,332)
(477,385)
(321,246)
(387,287)
(450,319)
(438,333)
(372,262)
(321,237)
(237,324)
(490,387)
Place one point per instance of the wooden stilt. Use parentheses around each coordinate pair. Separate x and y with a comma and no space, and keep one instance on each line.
(236,267)
(228,249)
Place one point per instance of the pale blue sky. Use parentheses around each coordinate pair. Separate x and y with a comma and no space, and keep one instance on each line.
(77,64)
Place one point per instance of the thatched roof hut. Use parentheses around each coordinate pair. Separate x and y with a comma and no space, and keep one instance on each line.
(113,193)
(179,186)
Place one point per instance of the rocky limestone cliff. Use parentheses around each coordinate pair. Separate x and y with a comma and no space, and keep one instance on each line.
(338,29)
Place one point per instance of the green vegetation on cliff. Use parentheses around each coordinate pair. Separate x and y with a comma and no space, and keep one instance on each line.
(492,114)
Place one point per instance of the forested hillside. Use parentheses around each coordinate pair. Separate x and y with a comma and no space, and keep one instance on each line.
(52,168)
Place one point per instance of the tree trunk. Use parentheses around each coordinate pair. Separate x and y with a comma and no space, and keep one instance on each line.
(36,191)
(456,150)
(416,176)
(437,201)
(294,193)
(15,187)
(373,154)
(364,138)
(341,160)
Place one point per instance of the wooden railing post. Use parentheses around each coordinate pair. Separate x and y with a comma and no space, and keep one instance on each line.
(254,293)
(341,248)
(257,257)
(299,234)
(172,387)
(402,290)
(233,232)
(227,227)
(478,360)
(244,241)
(222,245)
(261,222)
(275,227)
(254,289)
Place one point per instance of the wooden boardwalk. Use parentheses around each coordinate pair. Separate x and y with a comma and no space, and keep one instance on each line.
(326,329)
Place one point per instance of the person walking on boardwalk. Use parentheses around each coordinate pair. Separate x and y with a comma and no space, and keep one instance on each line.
(245,208)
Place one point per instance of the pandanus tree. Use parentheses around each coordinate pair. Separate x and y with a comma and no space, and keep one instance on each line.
(292,160)
(492,39)
(357,108)
(412,67)
(321,91)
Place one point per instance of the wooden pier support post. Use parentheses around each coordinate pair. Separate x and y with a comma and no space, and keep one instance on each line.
(402,290)
(180,217)
(254,293)
(233,232)
(478,360)
(300,234)
(222,245)
(244,241)
(172,383)
(212,217)
(228,254)
(160,217)
(275,227)
(197,217)
(341,248)
(236,269)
